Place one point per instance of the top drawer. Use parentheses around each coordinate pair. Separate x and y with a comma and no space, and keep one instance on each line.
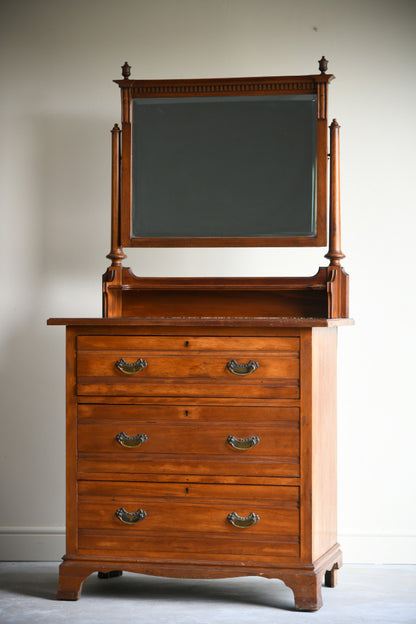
(194,366)
(188,343)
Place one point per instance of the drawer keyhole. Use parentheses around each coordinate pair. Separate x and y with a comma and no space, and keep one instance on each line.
(186,343)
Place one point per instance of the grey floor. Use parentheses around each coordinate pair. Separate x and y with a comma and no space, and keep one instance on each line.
(373,594)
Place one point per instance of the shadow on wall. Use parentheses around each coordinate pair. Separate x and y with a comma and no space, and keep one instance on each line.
(74,195)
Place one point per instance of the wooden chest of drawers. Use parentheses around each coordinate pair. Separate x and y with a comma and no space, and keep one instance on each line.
(201,451)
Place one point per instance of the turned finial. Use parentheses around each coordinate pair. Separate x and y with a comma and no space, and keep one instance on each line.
(323,65)
(126,70)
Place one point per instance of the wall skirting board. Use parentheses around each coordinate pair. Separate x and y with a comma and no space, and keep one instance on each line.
(48,544)
(379,547)
(32,543)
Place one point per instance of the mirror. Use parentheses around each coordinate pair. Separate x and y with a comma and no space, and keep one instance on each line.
(224,167)
(231,162)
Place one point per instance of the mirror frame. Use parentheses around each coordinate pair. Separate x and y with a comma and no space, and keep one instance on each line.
(225,87)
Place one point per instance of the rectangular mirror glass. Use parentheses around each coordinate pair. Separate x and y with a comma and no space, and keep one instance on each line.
(241,166)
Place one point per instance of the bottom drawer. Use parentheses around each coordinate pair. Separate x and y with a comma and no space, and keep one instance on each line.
(182,521)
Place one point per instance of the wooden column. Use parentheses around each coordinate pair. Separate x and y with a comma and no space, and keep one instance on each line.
(334,254)
(112,279)
(337,278)
(116,254)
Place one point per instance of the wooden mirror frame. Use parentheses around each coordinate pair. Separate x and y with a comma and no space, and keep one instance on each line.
(324,295)
(224,87)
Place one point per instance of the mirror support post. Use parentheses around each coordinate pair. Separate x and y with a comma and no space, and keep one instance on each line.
(337,278)
(334,254)
(116,254)
(112,279)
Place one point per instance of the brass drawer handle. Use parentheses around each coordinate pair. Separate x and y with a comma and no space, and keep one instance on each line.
(129,441)
(130,518)
(242,369)
(242,522)
(133,368)
(243,444)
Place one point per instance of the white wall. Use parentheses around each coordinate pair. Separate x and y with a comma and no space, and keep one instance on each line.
(58,105)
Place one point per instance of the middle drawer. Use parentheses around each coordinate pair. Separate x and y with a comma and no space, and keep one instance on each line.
(174,440)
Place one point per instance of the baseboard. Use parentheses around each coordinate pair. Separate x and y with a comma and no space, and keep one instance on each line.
(32,543)
(378,548)
(48,544)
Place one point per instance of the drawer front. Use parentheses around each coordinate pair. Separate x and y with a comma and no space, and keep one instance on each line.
(188,343)
(166,439)
(250,441)
(89,413)
(176,519)
(210,366)
(216,549)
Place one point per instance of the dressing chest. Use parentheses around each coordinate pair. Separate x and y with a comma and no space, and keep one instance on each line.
(201,412)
